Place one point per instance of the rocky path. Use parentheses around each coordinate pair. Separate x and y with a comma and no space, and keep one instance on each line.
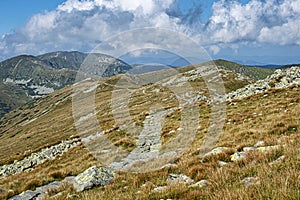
(148,144)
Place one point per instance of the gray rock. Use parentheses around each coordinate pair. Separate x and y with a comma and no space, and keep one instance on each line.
(248,149)
(69,180)
(36,158)
(94,176)
(175,178)
(50,186)
(222,163)
(169,165)
(27,195)
(160,189)
(278,160)
(200,184)
(268,148)
(259,144)
(279,79)
(248,181)
(238,156)
(216,151)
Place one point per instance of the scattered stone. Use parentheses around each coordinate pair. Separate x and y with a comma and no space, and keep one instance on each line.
(169,165)
(160,189)
(238,156)
(94,176)
(248,181)
(200,184)
(248,149)
(175,178)
(216,151)
(222,163)
(278,160)
(259,144)
(268,148)
(72,196)
(147,184)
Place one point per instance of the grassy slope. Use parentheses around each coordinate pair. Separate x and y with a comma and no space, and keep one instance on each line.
(278,181)
(279,116)
(256,73)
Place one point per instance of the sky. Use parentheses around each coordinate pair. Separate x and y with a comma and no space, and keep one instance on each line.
(246,31)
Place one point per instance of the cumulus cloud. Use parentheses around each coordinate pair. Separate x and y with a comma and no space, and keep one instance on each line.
(78,24)
(266,21)
(82,24)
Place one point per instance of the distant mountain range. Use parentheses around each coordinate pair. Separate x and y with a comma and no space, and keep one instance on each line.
(25,77)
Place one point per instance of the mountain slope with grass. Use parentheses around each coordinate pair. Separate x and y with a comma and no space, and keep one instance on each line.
(256,73)
(260,136)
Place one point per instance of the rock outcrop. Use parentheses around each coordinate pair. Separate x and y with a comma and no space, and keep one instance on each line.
(281,78)
(40,157)
(39,193)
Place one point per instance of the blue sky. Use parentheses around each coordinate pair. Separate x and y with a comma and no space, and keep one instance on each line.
(247,31)
(15,13)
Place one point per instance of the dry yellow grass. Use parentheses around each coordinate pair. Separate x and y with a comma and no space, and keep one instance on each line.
(273,117)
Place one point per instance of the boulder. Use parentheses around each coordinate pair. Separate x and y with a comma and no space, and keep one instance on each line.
(94,176)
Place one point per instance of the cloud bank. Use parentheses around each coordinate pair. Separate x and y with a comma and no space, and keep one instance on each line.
(82,24)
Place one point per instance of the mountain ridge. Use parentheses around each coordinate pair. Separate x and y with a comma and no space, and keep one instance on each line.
(35,76)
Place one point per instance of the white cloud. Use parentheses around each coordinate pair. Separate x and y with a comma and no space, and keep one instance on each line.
(82,24)
(71,5)
(258,21)
(288,33)
(214,49)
